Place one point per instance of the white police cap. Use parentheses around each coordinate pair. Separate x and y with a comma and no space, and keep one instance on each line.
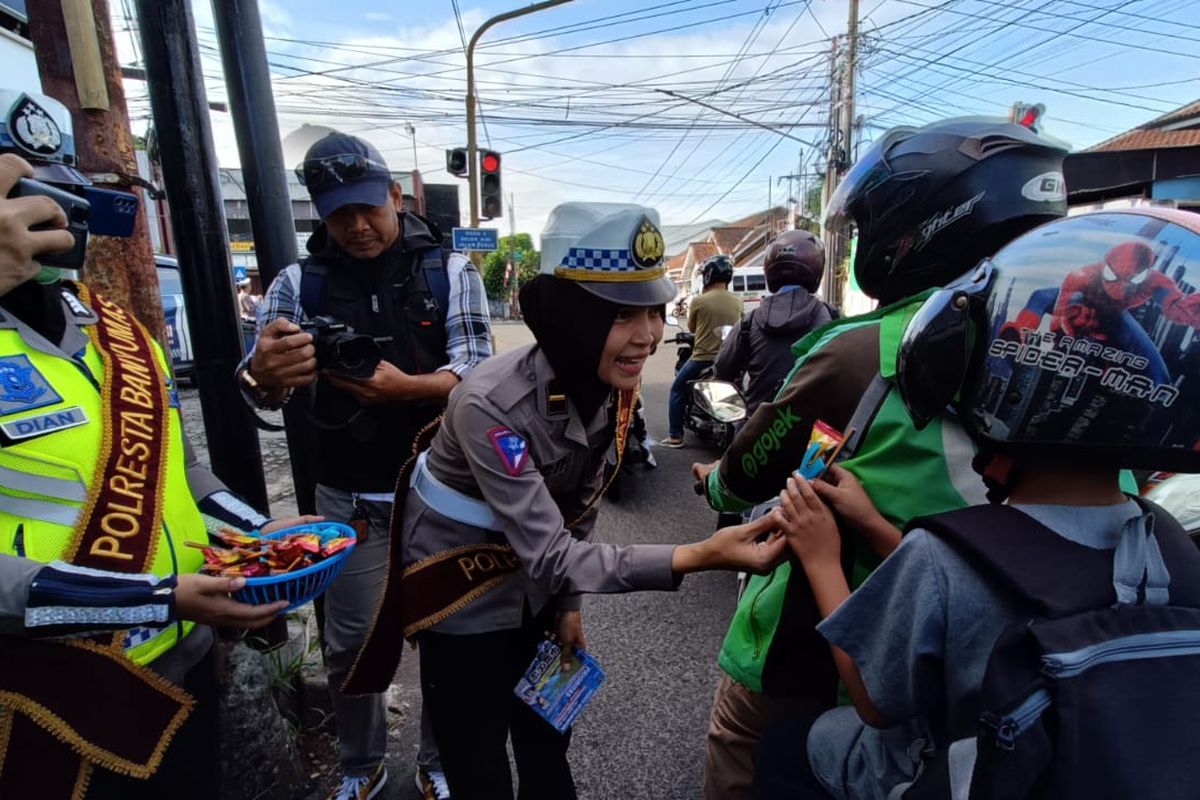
(613,250)
(38,128)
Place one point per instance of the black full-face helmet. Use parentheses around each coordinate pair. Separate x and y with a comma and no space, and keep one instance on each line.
(794,258)
(930,202)
(717,269)
(1079,341)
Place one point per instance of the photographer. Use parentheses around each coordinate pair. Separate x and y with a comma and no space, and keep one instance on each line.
(98,493)
(381,272)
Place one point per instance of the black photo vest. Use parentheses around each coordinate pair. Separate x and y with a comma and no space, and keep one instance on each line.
(388,296)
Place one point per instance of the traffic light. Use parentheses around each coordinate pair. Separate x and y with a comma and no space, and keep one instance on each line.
(1027,115)
(456,162)
(491,201)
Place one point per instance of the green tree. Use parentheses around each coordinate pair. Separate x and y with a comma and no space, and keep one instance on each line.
(496,263)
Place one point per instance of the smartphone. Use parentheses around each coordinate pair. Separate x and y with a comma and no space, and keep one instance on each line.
(78,213)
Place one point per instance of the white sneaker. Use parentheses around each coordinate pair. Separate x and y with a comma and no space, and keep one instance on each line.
(363,787)
(432,784)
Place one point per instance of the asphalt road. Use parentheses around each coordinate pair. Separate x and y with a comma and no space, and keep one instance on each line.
(643,736)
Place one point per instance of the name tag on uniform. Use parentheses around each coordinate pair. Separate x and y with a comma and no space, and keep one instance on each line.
(28,427)
(22,387)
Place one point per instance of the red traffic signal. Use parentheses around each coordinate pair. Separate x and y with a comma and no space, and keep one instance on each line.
(490,195)
(1027,115)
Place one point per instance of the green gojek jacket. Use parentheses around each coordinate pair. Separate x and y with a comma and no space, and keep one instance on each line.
(772,645)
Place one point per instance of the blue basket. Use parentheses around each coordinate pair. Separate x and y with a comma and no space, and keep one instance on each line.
(304,584)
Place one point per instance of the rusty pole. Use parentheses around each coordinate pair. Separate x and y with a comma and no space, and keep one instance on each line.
(86,78)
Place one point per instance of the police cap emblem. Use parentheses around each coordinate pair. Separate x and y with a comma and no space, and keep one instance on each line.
(647,246)
(32,129)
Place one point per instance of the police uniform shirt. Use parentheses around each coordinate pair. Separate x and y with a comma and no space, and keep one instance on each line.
(506,440)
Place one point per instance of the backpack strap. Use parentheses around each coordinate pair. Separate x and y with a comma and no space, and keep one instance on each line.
(313,276)
(864,414)
(1027,559)
(437,277)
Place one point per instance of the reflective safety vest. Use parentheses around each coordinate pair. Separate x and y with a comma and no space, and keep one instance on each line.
(51,438)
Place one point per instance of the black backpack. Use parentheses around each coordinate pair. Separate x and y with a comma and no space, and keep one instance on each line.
(1083,697)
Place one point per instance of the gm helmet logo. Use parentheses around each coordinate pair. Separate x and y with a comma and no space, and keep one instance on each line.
(1049,187)
(32,129)
(647,246)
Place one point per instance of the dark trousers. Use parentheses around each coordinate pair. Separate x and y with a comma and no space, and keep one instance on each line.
(191,766)
(781,767)
(467,689)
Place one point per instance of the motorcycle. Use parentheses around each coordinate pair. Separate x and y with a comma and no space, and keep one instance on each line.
(712,408)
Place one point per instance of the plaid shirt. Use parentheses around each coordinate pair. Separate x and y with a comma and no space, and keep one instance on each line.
(468,323)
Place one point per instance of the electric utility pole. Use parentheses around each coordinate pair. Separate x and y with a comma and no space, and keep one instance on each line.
(512,255)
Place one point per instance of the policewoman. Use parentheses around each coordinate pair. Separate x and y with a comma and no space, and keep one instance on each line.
(494,533)
(98,493)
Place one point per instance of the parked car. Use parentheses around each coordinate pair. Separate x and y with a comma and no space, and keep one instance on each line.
(179,334)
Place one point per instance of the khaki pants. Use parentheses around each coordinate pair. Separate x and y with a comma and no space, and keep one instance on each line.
(739,718)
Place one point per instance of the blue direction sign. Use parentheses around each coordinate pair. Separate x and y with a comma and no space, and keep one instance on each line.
(480,239)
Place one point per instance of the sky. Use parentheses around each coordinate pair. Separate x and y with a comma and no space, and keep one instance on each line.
(698,108)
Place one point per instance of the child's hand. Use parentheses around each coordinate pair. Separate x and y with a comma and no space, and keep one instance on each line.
(846,496)
(808,524)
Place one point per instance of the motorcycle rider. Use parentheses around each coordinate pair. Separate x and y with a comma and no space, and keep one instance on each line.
(713,308)
(928,203)
(762,347)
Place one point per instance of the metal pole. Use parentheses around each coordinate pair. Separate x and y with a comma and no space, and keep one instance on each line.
(408,127)
(828,235)
(472,166)
(264,176)
(176,85)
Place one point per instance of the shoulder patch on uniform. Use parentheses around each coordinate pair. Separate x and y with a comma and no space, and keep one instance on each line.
(511,448)
(22,387)
(78,308)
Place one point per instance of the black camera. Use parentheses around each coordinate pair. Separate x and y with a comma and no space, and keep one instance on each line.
(78,212)
(340,350)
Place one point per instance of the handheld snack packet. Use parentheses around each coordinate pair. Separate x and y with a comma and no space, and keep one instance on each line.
(558,694)
(824,444)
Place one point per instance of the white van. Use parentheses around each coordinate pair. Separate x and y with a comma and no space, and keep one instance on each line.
(750,284)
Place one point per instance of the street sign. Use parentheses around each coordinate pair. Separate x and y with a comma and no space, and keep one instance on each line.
(240,274)
(479,239)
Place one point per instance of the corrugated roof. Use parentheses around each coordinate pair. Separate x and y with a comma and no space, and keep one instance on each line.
(1149,140)
(1152,135)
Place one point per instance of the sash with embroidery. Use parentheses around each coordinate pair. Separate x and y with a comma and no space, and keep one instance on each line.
(118,530)
(420,595)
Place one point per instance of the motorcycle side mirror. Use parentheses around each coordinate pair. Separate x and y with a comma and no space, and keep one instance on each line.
(672,320)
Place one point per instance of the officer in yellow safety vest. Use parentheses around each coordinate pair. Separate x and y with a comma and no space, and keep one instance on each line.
(107,684)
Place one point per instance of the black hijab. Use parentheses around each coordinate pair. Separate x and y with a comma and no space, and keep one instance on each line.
(571,326)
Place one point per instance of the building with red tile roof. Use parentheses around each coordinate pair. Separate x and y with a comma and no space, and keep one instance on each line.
(1157,161)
